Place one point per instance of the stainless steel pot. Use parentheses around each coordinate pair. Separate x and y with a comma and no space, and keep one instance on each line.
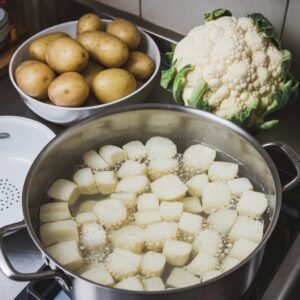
(185,126)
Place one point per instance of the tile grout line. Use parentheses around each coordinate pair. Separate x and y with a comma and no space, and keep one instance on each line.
(284,18)
(140,10)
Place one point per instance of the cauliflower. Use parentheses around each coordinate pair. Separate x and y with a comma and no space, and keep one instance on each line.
(232,67)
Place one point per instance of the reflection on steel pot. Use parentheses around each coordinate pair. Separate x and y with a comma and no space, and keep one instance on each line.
(184,126)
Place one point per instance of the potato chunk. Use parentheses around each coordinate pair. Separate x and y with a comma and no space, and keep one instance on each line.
(192,205)
(128,199)
(170,211)
(106,182)
(229,262)
(59,231)
(133,184)
(95,161)
(189,224)
(160,147)
(169,188)
(215,195)
(132,168)
(207,241)
(242,248)
(98,274)
(64,190)
(162,166)
(112,154)
(86,217)
(87,206)
(239,185)
(85,180)
(153,284)
(92,236)
(131,283)
(147,202)
(177,252)
(180,278)
(54,211)
(196,183)
(222,171)
(210,275)
(144,218)
(222,220)
(153,264)
(203,262)
(135,150)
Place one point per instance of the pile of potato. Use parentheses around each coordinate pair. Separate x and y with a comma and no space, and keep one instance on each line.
(105,65)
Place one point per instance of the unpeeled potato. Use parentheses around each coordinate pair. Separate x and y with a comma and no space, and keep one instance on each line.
(90,72)
(88,22)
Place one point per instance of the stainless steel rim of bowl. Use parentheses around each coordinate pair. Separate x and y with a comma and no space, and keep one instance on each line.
(176,108)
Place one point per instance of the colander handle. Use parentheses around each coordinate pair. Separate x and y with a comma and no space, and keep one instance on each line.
(9,271)
(294,158)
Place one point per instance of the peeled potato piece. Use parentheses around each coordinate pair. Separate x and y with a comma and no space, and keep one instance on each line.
(222,171)
(106,182)
(130,283)
(169,188)
(87,206)
(222,220)
(135,150)
(215,195)
(86,217)
(133,184)
(198,158)
(203,262)
(54,211)
(239,185)
(67,254)
(160,147)
(98,274)
(128,199)
(252,204)
(159,167)
(242,248)
(189,224)
(85,180)
(207,241)
(153,284)
(153,264)
(180,278)
(92,236)
(122,263)
(229,262)
(132,168)
(210,274)
(144,218)
(64,190)
(192,205)
(112,154)
(170,211)
(147,202)
(95,161)
(59,231)
(111,213)
(177,252)
(196,183)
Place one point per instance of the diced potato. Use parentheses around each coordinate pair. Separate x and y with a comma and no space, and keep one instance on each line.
(169,188)
(162,166)
(229,262)
(129,237)
(153,284)
(207,241)
(106,182)
(112,154)
(239,185)
(203,262)
(170,211)
(189,224)
(198,158)
(222,220)
(147,202)
(196,183)
(252,204)
(245,227)
(67,254)
(87,206)
(122,263)
(242,248)
(85,180)
(131,283)
(210,275)
(92,236)
(215,195)
(153,264)
(54,211)
(192,205)
(132,168)
(177,252)
(135,150)
(180,278)
(86,217)
(64,190)
(95,161)
(98,274)
(144,218)
(160,147)
(128,199)
(133,184)
(157,234)
(222,171)
(111,213)
(59,231)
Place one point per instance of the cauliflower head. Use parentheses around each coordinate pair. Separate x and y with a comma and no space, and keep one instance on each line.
(232,67)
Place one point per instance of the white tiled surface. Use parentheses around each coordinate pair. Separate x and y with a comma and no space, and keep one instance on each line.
(130,6)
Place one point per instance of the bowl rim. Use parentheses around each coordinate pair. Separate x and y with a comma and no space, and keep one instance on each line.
(81,108)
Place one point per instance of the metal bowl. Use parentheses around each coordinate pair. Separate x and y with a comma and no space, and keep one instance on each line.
(69,115)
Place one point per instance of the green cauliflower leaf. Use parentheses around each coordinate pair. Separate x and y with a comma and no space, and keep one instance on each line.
(196,100)
(168,76)
(216,14)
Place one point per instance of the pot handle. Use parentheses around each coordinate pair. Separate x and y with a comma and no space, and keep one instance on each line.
(295,159)
(9,271)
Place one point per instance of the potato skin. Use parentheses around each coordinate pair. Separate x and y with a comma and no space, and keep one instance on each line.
(69,89)
(140,65)
(37,48)
(90,72)
(66,55)
(113,84)
(88,22)
(34,78)
(108,50)
(125,31)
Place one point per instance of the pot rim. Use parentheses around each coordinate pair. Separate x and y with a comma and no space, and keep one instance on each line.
(171,107)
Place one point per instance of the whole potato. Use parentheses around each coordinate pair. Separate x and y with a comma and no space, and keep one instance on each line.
(140,65)
(66,55)
(113,84)
(88,22)
(108,50)
(34,78)
(69,89)
(37,48)
(90,72)
(125,31)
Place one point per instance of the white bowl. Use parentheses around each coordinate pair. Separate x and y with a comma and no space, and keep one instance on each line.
(68,115)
